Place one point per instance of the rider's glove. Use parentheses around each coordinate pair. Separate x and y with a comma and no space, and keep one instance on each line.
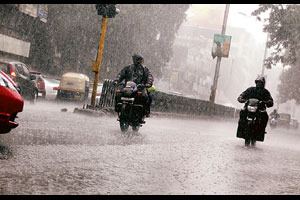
(261,103)
(269,103)
(241,100)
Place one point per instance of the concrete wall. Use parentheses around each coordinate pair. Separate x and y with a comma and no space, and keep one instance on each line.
(170,103)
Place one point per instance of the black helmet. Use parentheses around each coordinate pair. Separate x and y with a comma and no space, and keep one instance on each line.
(137,59)
(260,79)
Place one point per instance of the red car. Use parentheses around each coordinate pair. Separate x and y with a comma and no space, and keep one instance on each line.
(40,83)
(11,103)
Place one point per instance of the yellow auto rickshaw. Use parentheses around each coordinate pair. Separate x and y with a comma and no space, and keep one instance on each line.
(73,86)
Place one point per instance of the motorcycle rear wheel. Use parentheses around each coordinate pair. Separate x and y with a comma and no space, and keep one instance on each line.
(135,128)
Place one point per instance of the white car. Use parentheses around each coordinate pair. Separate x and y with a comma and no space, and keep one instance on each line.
(50,84)
(98,94)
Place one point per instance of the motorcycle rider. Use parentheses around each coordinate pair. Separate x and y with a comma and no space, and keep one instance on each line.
(274,114)
(140,74)
(258,92)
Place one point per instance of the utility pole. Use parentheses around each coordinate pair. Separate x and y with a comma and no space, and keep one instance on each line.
(217,70)
(106,11)
(97,63)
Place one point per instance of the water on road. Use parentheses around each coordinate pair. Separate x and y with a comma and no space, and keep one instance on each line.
(54,152)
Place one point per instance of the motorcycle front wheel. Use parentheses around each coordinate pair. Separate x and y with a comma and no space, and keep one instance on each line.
(124,126)
(248,133)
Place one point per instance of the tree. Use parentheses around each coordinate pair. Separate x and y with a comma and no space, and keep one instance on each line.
(75,32)
(283,26)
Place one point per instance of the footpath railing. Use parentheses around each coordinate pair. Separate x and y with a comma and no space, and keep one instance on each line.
(170,103)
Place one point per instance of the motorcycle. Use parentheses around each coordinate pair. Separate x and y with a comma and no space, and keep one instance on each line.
(273,122)
(130,109)
(251,132)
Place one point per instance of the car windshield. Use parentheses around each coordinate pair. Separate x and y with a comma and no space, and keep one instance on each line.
(6,83)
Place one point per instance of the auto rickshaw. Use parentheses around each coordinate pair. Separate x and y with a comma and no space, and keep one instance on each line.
(73,86)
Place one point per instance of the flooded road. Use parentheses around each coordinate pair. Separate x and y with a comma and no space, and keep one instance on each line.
(54,152)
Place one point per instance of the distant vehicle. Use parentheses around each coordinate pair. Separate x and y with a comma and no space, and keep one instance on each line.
(98,93)
(21,75)
(294,124)
(273,122)
(40,82)
(11,103)
(73,86)
(284,120)
(51,86)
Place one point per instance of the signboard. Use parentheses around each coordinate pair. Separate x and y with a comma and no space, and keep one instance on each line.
(29,9)
(221,46)
(43,12)
(209,16)
(14,46)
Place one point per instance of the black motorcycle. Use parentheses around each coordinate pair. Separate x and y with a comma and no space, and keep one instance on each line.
(130,109)
(273,122)
(252,131)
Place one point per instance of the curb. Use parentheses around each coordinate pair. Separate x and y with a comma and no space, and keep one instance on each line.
(111,112)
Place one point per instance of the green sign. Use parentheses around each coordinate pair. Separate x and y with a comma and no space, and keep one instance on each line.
(221,45)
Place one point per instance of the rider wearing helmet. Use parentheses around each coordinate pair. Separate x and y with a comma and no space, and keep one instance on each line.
(138,73)
(274,114)
(262,94)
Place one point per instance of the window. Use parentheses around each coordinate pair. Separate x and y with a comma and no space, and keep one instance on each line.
(26,71)
(6,83)
(19,68)
(2,83)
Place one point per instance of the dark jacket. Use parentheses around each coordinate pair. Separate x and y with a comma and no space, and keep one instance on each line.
(139,74)
(275,115)
(261,94)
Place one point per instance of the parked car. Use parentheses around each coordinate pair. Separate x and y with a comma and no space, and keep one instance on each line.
(73,86)
(284,120)
(40,82)
(21,75)
(11,103)
(51,87)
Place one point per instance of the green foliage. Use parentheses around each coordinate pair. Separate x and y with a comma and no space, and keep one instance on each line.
(283,27)
(75,32)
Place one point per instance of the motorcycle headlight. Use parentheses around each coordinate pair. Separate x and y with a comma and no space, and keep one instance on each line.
(252,108)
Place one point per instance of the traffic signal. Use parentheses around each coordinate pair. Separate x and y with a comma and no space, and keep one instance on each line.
(107,10)
(101,9)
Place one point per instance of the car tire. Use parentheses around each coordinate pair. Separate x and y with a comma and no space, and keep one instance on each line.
(44,95)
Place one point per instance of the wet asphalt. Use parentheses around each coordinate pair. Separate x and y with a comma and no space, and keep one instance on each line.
(55,152)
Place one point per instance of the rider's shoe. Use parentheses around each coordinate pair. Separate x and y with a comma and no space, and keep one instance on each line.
(253,142)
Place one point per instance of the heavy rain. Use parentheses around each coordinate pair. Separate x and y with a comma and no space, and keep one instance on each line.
(69,139)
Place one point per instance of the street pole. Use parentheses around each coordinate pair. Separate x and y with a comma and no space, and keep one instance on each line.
(97,63)
(217,70)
